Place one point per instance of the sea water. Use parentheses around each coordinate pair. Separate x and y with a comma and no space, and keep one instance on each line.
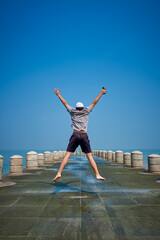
(9,153)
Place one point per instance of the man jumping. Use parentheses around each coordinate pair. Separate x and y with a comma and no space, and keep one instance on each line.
(79,116)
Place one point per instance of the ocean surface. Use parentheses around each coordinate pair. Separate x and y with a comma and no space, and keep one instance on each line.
(9,153)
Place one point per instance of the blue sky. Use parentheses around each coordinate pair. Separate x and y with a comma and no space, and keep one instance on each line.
(79,47)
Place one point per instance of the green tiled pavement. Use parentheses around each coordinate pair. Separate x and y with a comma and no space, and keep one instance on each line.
(126,206)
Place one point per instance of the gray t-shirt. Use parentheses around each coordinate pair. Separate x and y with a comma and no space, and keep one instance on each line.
(79,118)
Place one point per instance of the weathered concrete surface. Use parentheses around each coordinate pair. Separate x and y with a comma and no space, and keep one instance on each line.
(124,206)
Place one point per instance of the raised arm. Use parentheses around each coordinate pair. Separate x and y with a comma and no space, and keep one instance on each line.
(103,91)
(57,92)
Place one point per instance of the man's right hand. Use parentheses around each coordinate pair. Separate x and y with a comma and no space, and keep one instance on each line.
(103,91)
(56,91)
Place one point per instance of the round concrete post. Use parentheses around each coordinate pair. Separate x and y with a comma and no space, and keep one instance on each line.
(127,159)
(61,154)
(53,156)
(119,156)
(64,153)
(137,159)
(40,159)
(1,167)
(113,156)
(106,155)
(48,157)
(103,154)
(31,160)
(154,163)
(109,155)
(58,156)
(16,165)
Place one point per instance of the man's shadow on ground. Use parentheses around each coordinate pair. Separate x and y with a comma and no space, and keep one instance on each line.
(60,187)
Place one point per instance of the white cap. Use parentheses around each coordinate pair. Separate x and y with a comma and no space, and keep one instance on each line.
(79,104)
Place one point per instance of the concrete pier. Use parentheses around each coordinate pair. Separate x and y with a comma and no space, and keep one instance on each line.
(126,206)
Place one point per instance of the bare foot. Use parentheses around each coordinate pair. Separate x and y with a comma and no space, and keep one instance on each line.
(100,177)
(56,177)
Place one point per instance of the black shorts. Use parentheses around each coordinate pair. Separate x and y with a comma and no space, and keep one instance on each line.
(77,139)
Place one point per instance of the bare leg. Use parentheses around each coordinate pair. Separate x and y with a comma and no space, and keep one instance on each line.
(63,164)
(94,166)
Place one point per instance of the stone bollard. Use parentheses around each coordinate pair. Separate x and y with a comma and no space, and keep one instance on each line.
(98,153)
(1,167)
(54,156)
(113,156)
(119,156)
(16,165)
(58,155)
(77,152)
(61,154)
(31,160)
(106,155)
(137,159)
(127,159)
(48,157)
(109,155)
(40,159)
(154,163)
(64,153)
(103,154)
